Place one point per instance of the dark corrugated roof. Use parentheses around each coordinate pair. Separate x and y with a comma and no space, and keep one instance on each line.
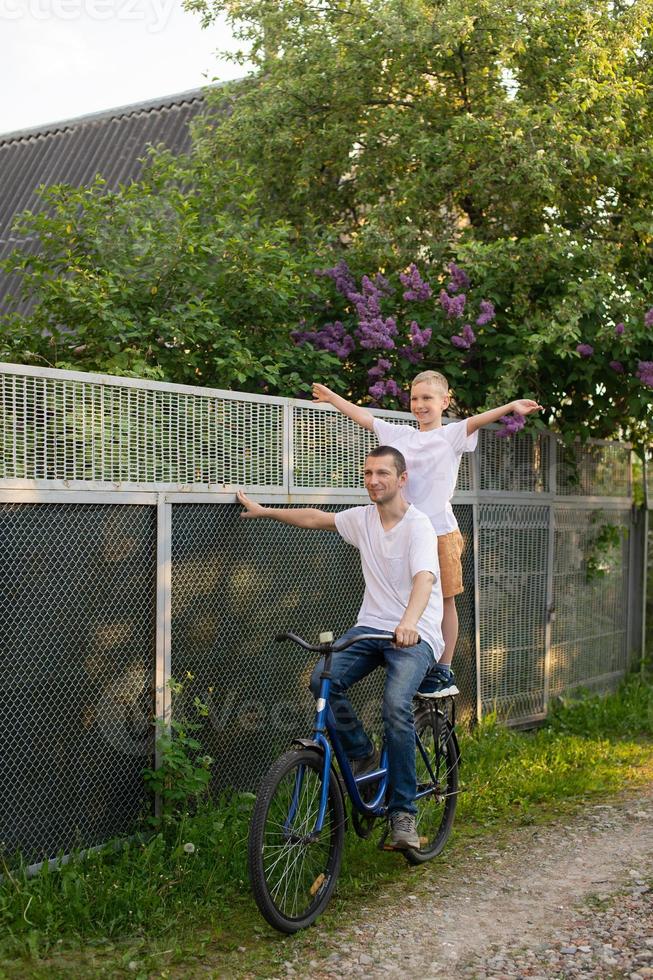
(75,150)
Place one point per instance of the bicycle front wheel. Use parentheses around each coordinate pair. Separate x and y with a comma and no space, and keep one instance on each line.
(437,780)
(292,869)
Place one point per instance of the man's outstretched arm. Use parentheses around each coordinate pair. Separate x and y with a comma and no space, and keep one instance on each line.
(406,634)
(309,517)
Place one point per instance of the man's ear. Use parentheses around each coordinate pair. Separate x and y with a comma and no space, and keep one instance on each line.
(446,401)
(402,478)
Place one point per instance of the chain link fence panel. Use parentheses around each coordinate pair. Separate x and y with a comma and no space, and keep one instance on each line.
(77,651)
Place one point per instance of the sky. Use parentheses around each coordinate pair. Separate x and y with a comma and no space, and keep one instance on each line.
(65,58)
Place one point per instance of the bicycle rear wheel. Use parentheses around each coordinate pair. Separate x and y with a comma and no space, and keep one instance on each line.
(292,870)
(437,773)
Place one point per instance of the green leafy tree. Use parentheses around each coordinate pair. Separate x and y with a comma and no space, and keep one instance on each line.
(515,138)
(175,276)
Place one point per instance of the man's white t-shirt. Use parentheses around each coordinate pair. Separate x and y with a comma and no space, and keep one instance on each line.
(432,460)
(390,560)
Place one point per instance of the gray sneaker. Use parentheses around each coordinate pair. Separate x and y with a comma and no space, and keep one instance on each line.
(403,829)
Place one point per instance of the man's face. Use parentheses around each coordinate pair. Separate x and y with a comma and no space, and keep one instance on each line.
(382,481)
(427,402)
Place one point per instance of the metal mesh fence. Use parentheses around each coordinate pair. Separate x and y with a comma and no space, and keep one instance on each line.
(514,465)
(590,583)
(81,631)
(329,449)
(593,470)
(77,642)
(63,429)
(236,584)
(513,552)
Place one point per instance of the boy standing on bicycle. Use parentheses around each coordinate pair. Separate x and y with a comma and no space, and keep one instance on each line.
(402,596)
(433,453)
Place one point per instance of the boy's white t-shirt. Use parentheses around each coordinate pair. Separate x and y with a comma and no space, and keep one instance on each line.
(432,460)
(390,560)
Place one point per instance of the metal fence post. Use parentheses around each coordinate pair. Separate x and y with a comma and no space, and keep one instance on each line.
(550,609)
(475,474)
(163,607)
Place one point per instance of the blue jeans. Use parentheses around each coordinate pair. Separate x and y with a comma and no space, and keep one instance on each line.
(405,670)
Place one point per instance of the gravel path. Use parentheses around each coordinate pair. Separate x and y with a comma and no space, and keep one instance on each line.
(574,899)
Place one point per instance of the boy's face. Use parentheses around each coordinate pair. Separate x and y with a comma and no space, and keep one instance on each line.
(427,403)
(382,481)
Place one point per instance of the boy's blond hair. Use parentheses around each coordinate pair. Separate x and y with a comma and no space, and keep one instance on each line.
(432,378)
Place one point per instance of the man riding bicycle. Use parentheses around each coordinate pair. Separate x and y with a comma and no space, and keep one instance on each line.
(402,596)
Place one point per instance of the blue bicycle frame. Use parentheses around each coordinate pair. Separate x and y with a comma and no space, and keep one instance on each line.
(325,724)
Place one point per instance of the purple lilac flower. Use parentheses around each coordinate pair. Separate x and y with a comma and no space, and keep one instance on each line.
(392,388)
(619,329)
(377,333)
(377,390)
(617,366)
(511,425)
(465,340)
(415,288)
(487,313)
(382,388)
(453,306)
(332,337)
(459,279)
(383,285)
(648,318)
(645,373)
(419,338)
(381,367)
(411,354)
(342,277)
(585,350)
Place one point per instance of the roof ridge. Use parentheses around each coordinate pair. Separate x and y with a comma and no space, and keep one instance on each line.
(133,108)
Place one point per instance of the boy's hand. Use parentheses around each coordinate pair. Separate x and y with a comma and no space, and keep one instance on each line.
(252,509)
(321,393)
(525,406)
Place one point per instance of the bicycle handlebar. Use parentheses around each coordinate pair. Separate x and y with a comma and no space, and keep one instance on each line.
(336,645)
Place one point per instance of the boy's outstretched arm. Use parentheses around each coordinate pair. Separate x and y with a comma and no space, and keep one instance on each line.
(309,517)
(521,406)
(357,414)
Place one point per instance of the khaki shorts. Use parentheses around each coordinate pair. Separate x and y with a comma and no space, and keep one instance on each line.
(450,549)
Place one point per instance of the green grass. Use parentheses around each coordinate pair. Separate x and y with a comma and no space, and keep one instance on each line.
(142,900)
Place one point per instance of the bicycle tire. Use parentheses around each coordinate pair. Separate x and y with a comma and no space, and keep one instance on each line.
(435,813)
(293,878)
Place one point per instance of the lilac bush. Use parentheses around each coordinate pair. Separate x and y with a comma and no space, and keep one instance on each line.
(388,328)
(385,327)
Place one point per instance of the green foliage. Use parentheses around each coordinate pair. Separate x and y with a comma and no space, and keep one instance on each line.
(176,276)
(135,887)
(605,548)
(181,779)
(514,139)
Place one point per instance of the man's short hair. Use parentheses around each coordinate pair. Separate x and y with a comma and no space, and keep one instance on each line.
(397,457)
(433,378)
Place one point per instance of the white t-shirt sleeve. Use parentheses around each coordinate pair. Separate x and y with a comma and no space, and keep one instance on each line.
(389,433)
(456,435)
(348,525)
(423,550)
